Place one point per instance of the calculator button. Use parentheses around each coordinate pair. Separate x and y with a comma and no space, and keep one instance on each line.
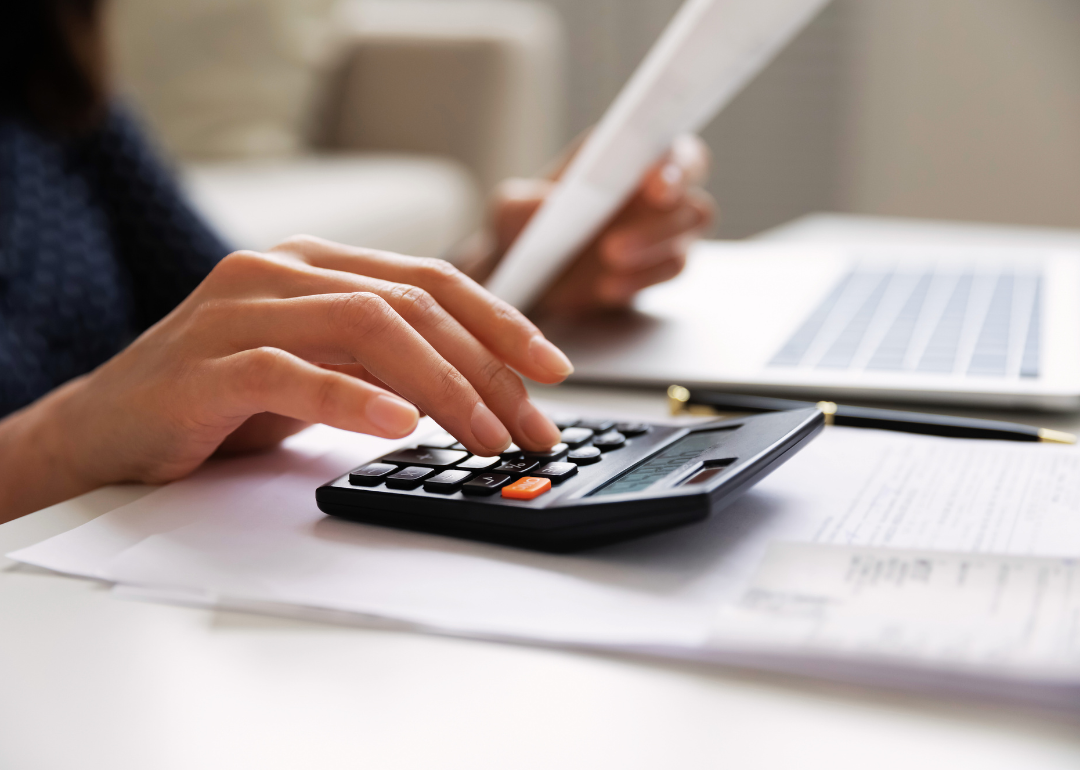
(477,463)
(459,447)
(517,467)
(564,421)
(370,475)
(576,436)
(447,481)
(528,488)
(597,426)
(556,471)
(408,478)
(557,452)
(609,441)
(586,455)
(630,429)
(485,484)
(512,452)
(430,458)
(440,440)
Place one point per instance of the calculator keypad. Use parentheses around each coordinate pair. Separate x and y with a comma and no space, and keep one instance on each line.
(371,475)
(554,454)
(574,437)
(586,455)
(485,484)
(409,477)
(429,458)
(555,471)
(441,466)
(446,482)
(528,488)
(609,441)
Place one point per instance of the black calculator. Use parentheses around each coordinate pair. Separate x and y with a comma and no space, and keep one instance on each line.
(606,481)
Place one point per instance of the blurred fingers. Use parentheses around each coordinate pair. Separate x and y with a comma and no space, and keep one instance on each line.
(647,239)
(617,290)
(685,166)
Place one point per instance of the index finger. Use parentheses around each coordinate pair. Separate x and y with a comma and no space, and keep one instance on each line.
(498,326)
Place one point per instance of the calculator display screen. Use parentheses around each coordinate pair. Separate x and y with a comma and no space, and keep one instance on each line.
(660,465)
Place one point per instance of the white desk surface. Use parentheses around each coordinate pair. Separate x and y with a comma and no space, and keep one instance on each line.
(91,681)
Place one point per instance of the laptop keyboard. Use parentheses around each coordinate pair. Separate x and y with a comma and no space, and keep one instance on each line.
(961,323)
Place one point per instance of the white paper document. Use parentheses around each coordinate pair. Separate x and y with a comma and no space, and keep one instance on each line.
(708,53)
(247,534)
(1016,614)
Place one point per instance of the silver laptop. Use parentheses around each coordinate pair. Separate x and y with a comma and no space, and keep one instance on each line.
(981,326)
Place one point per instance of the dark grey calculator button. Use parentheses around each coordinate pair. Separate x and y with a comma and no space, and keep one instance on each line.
(430,458)
(370,475)
(631,429)
(586,455)
(557,452)
(576,436)
(555,471)
(440,440)
(447,481)
(609,441)
(485,484)
(408,478)
(597,426)
(564,421)
(517,466)
(512,452)
(477,463)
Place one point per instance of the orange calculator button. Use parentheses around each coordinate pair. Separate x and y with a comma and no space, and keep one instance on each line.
(527,488)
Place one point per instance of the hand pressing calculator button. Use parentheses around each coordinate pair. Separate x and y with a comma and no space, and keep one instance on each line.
(667,476)
(446,482)
(429,458)
(528,488)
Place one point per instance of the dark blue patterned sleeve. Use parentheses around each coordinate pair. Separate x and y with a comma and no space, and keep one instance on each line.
(166,247)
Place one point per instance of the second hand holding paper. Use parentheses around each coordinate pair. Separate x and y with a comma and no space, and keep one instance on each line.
(707,54)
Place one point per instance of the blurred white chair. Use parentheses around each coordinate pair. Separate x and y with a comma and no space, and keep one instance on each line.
(372,122)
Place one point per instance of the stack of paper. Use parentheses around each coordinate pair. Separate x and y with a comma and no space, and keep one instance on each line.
(874,557)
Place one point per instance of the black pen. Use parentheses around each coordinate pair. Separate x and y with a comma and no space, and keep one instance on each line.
(711,402)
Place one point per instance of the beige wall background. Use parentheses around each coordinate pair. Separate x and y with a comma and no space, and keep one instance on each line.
(965,109)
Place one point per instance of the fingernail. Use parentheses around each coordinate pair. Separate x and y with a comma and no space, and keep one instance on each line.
(392,415)
(672,174)
(549,358)
(488,430)
(673,177)
(537,427)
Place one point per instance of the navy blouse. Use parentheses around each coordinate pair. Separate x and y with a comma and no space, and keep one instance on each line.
(96,244)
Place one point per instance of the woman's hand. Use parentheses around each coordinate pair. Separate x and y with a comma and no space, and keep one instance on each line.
(311,332)
(644,244)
